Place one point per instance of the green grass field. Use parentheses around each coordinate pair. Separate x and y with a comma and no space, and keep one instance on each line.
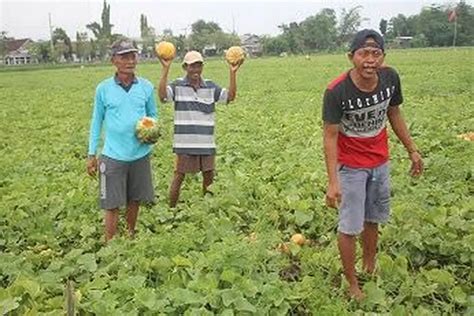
(203,259)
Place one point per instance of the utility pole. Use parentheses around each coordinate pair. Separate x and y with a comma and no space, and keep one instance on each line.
(455,30)
(51,35)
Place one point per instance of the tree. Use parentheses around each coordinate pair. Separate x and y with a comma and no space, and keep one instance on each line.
(383,26)
(349,24)
(3,42)
(103,32)
(293,35)
(83,48)
(434,24)
(203,33)
(147,34)
(465,27)
(274,45)
(62,43)
(41,51)
(320,32)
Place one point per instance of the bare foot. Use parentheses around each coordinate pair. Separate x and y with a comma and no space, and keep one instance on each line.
(369,269)
(356,293)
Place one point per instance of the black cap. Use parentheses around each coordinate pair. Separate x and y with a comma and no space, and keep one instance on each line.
(361,37)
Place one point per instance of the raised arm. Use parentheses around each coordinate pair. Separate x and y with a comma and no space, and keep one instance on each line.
(162,87)
(233,81)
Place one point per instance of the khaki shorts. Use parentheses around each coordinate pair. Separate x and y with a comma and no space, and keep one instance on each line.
(194,163)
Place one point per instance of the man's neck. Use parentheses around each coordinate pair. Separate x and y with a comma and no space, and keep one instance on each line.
(366,85)
(125,79)
(194,83)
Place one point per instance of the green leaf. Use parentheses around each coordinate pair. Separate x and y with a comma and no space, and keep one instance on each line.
(229,275)
(241,304)
(375,295)
(303,217)
(27,285)
(229,296)
(182,261)
(442,277)
(9,304)
(87,261)
(458,295)
(146,297)
(185,296)
(227,312)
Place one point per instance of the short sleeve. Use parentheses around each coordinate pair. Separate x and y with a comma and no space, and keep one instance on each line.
(397,97)
(220,94)
(332,109)
(170,90)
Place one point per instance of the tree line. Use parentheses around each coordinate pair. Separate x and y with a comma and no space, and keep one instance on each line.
(324,31)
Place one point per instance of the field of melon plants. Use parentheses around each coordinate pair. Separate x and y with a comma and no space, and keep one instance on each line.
(219,255)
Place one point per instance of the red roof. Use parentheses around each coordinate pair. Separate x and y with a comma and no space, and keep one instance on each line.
(14,45)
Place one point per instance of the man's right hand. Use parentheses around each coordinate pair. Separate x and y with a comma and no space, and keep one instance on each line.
(166,63)
(92,166)
(333,195)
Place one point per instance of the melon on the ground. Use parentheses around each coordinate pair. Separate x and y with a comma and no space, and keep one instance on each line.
(165,50)
(298,239)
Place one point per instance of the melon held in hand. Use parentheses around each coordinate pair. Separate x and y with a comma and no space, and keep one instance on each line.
(235,55)
(165,50)
(147,130)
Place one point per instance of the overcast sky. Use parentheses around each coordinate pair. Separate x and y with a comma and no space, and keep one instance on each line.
(29,18)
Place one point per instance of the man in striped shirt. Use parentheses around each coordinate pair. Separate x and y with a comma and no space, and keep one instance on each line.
(194,119)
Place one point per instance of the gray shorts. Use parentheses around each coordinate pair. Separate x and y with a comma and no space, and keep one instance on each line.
(121,182)
(365,197)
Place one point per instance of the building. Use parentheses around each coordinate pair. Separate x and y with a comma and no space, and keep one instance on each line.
(17,52)
(252,44)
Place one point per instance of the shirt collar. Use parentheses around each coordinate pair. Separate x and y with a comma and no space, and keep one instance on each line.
(117,81)
(202,82)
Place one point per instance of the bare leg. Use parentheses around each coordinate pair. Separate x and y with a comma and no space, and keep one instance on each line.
(347,244)
(369,246)
(132,214)
(175,188)
(111,219)
(207,179)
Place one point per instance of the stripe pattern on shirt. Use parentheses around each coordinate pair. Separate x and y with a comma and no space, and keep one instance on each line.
(194,117)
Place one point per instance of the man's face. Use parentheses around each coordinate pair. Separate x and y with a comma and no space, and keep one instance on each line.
(125,63)
(194,70)
(367,59)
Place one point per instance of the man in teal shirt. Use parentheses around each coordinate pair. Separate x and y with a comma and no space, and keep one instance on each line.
(124,164)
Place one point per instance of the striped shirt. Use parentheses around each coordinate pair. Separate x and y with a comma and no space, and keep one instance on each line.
(194,116)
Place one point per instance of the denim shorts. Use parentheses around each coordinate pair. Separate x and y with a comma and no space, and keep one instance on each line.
(365,197)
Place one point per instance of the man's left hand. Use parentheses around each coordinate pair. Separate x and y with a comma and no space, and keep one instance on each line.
(417,166)
(236,67)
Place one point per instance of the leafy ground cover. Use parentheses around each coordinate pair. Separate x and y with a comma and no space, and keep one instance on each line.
(218,255)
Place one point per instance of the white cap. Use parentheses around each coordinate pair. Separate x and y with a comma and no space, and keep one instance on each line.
(192,57)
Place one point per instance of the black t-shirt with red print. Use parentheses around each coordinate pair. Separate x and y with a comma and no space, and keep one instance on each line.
(362,117)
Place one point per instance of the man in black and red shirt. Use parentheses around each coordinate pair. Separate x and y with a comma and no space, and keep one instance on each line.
(356,107)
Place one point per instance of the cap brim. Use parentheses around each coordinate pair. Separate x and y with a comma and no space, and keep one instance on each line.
(192,61)
(127,51)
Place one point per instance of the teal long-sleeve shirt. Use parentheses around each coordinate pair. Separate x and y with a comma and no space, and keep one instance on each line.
(117,111)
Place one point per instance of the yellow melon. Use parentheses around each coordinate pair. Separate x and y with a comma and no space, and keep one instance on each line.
(298,239)
(235,55)
(165,50)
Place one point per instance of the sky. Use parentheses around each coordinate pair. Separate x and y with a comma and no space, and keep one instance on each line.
(29,18)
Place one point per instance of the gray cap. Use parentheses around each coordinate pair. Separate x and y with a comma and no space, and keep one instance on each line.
(361,37)
(123,46)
